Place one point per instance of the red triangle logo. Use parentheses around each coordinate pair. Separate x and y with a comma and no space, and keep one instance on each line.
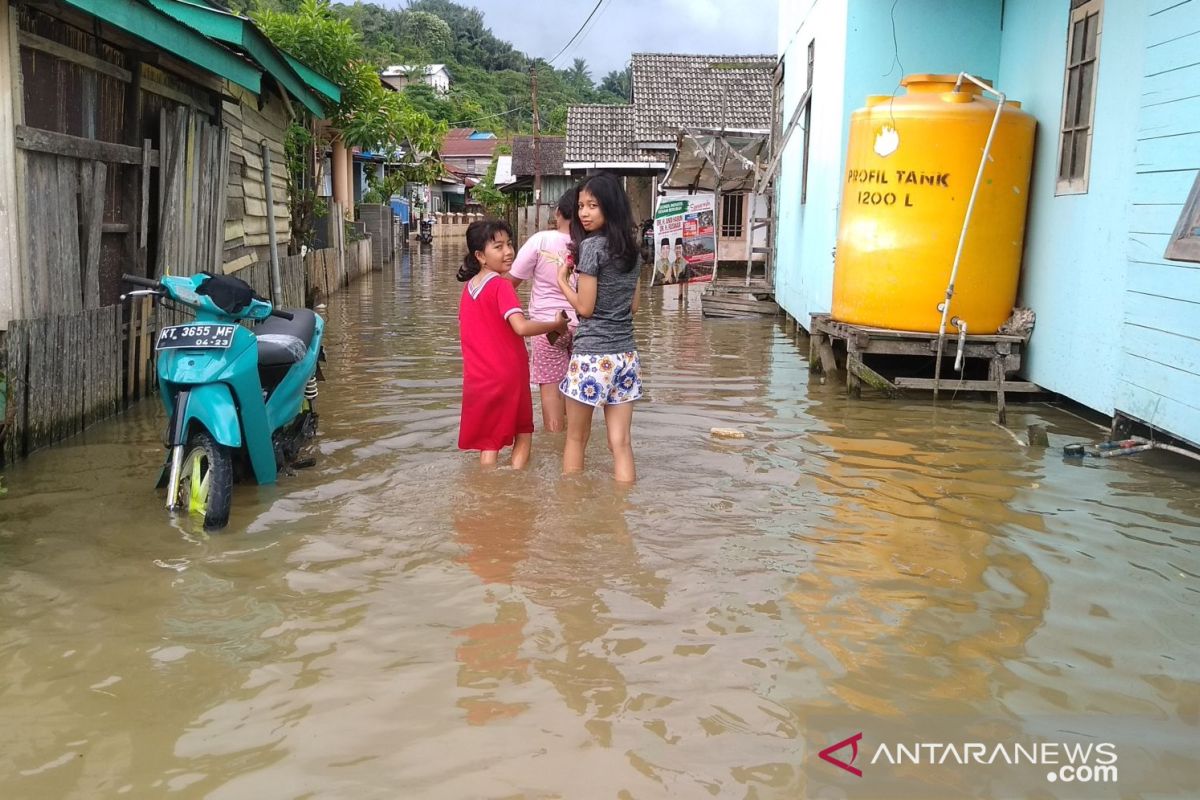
(827,754)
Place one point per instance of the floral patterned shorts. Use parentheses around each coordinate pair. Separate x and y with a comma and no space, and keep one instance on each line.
(600,380)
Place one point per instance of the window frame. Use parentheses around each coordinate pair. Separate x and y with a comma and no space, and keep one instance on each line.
(1185,243)
(1080,10)
(807,124)
(727,228)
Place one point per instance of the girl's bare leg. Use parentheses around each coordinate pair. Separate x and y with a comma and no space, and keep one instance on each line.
(617,421)
(487,458)
(579,428)
(521,448)
(554,408)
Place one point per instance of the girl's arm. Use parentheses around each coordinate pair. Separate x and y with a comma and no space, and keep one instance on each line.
(525,262)
(637,297)
(583,300)
(529,327)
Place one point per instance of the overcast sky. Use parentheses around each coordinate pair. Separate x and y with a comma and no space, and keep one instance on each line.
(620,27)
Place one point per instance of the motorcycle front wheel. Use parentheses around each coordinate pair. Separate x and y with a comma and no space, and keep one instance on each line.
(206,480)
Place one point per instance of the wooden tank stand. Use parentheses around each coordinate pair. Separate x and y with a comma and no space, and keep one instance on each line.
(1003,354)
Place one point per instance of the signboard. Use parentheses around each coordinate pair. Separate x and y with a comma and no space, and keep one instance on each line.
(685,241)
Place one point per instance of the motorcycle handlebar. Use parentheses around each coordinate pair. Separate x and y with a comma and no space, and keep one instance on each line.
(149,283)
(283,314)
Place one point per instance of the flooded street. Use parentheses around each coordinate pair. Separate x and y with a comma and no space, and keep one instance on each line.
(394,623)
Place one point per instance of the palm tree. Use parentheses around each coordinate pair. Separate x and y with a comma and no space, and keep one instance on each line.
(579,72)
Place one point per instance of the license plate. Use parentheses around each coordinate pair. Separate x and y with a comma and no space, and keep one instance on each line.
(195,336)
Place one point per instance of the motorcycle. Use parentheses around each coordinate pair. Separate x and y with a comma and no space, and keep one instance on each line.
(425,234)
(240,400)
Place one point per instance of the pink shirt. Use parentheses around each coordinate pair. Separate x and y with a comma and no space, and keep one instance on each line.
(539,259)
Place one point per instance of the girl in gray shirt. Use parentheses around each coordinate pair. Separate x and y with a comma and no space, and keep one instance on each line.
(604,371)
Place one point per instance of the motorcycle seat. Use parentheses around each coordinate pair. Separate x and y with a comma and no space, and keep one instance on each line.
(285,341)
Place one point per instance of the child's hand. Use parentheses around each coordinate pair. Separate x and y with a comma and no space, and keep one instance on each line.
(563,321)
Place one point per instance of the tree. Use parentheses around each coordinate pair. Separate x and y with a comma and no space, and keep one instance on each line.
(424,34)
(494,201)
(368,115)
(580,74)
(617,83)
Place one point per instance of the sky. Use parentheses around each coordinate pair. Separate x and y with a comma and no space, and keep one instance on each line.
(621,27)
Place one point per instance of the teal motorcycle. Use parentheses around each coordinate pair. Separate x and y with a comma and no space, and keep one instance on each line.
(240,400)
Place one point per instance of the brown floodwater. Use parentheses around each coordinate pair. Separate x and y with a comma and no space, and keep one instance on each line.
(394,623)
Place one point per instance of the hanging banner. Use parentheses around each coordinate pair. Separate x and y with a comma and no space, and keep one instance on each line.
(685,241)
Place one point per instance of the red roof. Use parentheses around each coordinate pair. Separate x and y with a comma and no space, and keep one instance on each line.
(457,144)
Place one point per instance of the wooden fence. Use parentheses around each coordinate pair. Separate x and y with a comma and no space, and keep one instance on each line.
(67,371)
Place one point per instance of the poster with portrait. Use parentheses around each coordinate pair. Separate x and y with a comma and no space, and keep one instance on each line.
(685,242)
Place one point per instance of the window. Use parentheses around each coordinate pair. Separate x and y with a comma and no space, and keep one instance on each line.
(1079,96)
(1185,241)
(807,127)
(731,215)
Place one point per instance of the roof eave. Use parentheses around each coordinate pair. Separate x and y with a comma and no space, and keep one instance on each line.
(241,32)
(187,44)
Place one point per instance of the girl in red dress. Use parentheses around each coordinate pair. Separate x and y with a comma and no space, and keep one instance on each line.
(496,410)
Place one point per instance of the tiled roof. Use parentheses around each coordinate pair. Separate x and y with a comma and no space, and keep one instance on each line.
(671,90)
(553,152)
(602,134)
(458,143)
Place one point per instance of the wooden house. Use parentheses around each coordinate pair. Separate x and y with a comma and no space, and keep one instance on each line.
(134,137)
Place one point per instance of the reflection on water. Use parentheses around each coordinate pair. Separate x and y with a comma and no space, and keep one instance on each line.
(393,622)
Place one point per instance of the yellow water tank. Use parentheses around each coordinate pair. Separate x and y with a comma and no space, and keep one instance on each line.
(910,166)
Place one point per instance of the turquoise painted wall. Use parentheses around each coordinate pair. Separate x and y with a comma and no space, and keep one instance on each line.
(806,232)
(1073,275)
(1159,377)
(856,57)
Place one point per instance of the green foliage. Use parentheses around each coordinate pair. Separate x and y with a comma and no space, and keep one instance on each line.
(494,201)
(618,83)
(490,79)
(369,115)
(380,190)
(425,34)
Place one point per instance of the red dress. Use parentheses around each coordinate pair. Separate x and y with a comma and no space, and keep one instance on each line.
(496,402)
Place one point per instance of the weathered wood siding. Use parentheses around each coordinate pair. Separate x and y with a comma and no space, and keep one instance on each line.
(66,371)
(245,236)
(191,188)
(1159,377)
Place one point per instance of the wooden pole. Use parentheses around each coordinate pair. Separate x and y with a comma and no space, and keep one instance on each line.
(537,153)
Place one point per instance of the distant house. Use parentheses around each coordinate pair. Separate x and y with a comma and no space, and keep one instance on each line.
(468,151)
(671,93)
(436,76)
(556,178)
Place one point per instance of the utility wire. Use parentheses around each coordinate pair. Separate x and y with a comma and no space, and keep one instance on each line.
(576,36)
(489,116)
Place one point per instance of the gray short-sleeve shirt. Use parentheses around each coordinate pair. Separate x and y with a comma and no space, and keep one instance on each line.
(610,327)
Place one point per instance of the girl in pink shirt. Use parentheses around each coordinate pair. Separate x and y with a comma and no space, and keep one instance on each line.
(539,260)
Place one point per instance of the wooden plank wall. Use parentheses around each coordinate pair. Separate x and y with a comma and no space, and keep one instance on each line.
(192,196)
(64,373)
(68,371)
(245,236)
(1159,380)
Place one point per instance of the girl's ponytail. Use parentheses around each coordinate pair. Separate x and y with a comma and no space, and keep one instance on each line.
(469,269)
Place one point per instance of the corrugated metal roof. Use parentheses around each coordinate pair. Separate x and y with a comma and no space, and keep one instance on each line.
(459,142)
